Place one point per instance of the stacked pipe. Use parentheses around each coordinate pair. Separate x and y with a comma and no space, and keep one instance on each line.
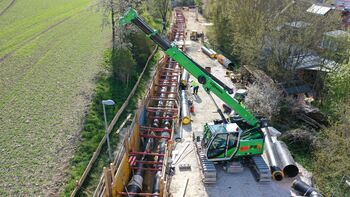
(276,171)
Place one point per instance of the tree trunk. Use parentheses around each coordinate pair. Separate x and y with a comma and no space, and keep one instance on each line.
(113,23)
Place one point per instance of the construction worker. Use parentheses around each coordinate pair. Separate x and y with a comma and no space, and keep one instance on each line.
(195,86)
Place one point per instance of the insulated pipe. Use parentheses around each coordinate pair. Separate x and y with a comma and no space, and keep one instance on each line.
(304,189)
(185,115)
(214,53)
(276,171)
(286,159)
(224,61)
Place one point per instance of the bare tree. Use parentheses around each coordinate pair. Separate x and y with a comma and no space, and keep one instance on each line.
(112,10)
(263,99)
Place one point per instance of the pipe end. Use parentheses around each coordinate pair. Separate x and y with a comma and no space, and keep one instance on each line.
(277,173)
(291,170)
(186,120)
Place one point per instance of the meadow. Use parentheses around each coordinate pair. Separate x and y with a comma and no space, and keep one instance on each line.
(50,55)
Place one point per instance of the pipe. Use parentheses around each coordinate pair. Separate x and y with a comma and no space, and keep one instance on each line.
(156,183)
(184,78)
(304,189)
(185,115)
(136,181)
(166,123)
(224,61)
(286,159)
(276,171)
(208,52)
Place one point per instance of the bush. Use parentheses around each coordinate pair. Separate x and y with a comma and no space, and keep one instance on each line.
(332,158)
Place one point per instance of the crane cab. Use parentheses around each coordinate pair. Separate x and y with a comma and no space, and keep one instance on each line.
(223,142)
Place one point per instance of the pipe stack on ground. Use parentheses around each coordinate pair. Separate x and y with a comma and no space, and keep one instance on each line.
(224,61)
(286,160)
(208,52)
(276,171)
(304,189)
(185,115)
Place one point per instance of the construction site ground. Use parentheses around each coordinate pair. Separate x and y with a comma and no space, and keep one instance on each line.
(238,184)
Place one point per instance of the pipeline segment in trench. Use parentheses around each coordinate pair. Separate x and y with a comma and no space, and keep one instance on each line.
(162,113)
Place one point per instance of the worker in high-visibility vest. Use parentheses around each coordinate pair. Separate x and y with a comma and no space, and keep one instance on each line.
(195,86)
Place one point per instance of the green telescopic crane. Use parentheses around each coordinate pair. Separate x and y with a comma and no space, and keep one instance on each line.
(248,142)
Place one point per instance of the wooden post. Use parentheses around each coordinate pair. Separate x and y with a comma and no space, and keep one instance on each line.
(113,169)
(108,183)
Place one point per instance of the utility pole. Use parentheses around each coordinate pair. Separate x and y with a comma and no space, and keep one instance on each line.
(107,102)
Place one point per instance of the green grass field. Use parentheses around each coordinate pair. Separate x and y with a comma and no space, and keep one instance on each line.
(50,52)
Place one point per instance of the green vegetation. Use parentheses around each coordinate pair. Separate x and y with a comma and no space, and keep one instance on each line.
(50,58)
(108,87)
(269,34)
(123,66)
(50,53)
(332,158)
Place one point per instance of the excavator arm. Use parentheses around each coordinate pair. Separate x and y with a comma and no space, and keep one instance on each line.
(209,82)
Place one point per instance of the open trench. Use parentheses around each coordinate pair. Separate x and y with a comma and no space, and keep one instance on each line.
(162,113)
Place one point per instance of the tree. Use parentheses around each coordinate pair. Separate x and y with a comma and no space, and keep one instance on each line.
(123,64)
(109,12)
(272,34)
(332,158)
(263,99)
(160,9)
(338,88)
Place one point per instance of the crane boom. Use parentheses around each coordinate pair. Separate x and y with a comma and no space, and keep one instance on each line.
(209,82)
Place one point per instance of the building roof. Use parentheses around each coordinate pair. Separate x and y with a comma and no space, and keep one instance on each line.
(313,62)
(319,9)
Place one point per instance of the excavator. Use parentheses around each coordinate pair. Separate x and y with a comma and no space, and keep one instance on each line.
(222,140)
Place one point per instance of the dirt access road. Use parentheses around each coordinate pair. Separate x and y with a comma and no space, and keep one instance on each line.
(240,184)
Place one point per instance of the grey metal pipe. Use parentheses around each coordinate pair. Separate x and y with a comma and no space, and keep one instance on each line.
(156,183)
(207,51)
(276,171)
(185,114)
(286,160)
(166,124)
(184,78)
